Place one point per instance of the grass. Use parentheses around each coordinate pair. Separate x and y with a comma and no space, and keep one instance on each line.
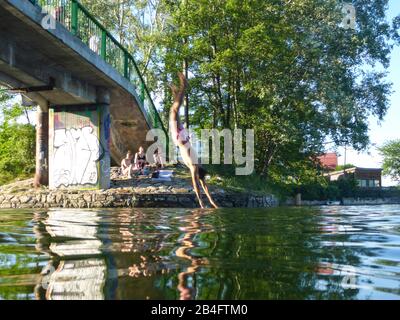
(225,177)
(251,183)
(6,178)
(18,185)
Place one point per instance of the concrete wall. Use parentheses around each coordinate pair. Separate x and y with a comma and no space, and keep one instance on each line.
(79,147)
(370,201)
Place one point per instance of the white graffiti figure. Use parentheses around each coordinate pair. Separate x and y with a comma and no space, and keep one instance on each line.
(76,154)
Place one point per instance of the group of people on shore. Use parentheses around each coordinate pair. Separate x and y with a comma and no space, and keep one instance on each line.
(138,164)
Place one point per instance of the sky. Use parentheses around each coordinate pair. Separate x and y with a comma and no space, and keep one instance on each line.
(389,128)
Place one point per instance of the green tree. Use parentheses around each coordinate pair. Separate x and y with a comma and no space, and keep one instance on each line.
(344,166)
(139,26)
(285,68)
(17,140)
(391,159)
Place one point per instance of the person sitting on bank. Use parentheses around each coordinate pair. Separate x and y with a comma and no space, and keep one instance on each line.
(127,165)
(140,159)
(157,156)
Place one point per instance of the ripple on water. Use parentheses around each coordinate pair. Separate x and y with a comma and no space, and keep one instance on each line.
(283,253)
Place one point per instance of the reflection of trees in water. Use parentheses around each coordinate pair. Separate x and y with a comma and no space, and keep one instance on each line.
(277,257)
(160,245)
(239,254)
(19,261)
(141,252)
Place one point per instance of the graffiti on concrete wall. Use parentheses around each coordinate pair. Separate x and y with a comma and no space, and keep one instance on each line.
(76,150)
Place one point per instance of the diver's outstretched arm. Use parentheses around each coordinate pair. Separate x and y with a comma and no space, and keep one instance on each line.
(178,94)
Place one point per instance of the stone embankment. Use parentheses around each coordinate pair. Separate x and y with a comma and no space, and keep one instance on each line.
(140,192)
(113,199)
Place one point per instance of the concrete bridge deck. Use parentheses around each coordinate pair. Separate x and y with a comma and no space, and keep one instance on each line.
(77,75)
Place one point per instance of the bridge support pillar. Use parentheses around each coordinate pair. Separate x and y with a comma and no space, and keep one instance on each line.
(79,148)
(42,146)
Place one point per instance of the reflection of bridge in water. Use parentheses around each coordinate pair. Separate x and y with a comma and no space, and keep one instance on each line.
(82,271)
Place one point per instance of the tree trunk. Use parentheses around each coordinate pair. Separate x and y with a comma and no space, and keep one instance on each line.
(185,72)
(186,99)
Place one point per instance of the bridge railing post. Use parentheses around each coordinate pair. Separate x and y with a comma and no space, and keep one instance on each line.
(74,17)
(142,89)
(103,51)
(126,62)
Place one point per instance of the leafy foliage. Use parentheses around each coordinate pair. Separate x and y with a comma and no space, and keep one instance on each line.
(344,166)
(17,141)
(330,190)
(391,159)
(285,68)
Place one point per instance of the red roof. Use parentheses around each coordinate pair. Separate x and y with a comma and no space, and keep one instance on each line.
(329,160)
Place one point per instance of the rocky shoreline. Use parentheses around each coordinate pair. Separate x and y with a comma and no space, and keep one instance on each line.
(111,199)
(140,192)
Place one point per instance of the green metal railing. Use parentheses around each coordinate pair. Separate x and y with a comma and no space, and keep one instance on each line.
(81,23)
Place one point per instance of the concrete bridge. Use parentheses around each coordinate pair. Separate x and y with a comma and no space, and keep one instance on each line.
(93,104)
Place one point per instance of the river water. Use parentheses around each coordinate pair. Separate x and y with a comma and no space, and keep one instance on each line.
(281,253)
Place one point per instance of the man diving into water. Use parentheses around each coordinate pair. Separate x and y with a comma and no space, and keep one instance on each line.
(182,140)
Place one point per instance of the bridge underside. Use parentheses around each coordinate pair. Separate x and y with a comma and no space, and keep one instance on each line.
(31,56)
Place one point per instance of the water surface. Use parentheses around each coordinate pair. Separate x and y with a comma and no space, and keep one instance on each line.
(282,253)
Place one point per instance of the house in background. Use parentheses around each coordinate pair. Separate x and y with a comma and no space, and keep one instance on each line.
(329,161)
(365,177)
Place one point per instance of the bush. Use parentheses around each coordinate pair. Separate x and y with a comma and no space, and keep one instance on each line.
(347,187)
(319,189)
(17,151)
(331,190)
